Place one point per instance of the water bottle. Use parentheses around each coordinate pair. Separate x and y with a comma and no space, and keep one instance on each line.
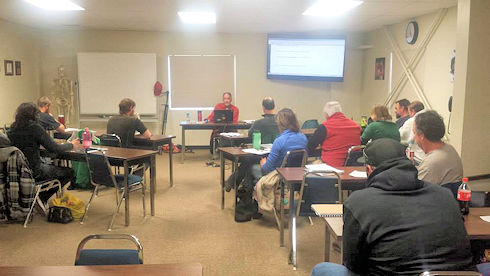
(256,140)
(86,139)
(199,116)
(187,117)
(464,197)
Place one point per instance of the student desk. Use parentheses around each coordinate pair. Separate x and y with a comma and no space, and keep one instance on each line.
(192,125)
(123,157)
(234,154)
(106,270)
(293,177)
(476,228)
(155,142)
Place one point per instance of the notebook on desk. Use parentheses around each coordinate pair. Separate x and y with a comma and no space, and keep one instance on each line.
(328,210)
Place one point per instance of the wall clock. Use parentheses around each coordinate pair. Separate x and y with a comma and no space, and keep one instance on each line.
(412,32)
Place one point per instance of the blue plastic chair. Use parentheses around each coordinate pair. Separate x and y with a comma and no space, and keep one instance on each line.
(109,256)
(101,174)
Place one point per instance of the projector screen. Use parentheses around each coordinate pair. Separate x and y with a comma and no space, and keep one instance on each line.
(305,57)
(107,78)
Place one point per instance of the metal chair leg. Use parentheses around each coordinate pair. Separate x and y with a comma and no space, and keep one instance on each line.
(38,188)
(88,203)
(115,213)
(293,245)
(143,189)
(311,221)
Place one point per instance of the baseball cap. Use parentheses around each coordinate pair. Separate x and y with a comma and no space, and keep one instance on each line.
(383,149)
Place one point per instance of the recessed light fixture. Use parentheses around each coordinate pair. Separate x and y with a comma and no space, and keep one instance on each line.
(331,8)
(198,17)
(56,5)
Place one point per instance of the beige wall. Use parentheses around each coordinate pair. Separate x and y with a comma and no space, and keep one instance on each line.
(471,96)
(432,71)
(17,43)
(305,97)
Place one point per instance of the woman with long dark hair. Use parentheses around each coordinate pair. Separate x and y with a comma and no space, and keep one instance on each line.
(28,135)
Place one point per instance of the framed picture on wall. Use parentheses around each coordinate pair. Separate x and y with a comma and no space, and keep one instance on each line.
(379,69)
(9,67)
(18,69)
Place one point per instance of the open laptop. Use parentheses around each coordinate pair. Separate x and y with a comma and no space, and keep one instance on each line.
(223,116)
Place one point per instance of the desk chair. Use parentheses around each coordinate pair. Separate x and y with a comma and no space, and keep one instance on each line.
(450,273)
(110,140)
(43,186)
(353,155)
(101,174)
(314,190)
(293,158)
(313,123)
(109,256)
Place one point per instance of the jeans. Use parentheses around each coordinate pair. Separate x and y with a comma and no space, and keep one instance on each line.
(50,172)
(324,269)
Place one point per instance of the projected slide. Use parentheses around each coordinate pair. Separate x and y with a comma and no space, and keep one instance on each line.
(307,57)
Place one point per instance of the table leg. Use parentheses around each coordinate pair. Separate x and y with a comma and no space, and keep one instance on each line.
(126,192)
(170,164)
(222,177)
(183,144)
(327,243)
(292,227)
(233,171)
(153,171)
(281,214)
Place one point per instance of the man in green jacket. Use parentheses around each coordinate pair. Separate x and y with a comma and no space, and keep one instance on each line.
(267,126)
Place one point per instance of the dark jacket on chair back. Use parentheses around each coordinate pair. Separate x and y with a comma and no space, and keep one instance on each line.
(401,225)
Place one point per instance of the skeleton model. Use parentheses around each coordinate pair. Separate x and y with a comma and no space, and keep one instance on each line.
(63,95)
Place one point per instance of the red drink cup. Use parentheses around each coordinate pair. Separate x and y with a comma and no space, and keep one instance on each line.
(61,119)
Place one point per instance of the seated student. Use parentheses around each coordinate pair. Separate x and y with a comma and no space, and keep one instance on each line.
(335,136)
(406,133)
(290,138)
(225,105)
(401,111)
(267,126)
(399,225)
(28,135)
(46,119)
(126,123)
(382,127)
(442,164)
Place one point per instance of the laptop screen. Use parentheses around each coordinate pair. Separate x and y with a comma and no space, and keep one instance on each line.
(223,116)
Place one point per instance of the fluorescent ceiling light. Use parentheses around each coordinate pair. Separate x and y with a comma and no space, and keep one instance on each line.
(198,17)
(56,5)
(331,8)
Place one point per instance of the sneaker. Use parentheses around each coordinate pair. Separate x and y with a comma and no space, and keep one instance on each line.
(228,185)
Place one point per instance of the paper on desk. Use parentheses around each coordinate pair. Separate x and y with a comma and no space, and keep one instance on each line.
(258,152)
(322,167)
(356,173)
(249,121)
(71,129)
(485,218)
(230,134)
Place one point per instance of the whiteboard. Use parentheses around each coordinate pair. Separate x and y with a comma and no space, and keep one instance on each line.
(199,81)
(107,78)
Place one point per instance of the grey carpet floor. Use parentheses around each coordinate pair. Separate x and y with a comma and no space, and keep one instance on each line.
(188,227)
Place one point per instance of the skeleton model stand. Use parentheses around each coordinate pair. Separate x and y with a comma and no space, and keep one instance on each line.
(63,95)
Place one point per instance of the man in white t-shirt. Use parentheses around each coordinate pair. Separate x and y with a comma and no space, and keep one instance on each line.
(406,133)
(442,164)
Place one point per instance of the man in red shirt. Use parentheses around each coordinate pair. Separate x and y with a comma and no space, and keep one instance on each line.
(225,105)
(335,136)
